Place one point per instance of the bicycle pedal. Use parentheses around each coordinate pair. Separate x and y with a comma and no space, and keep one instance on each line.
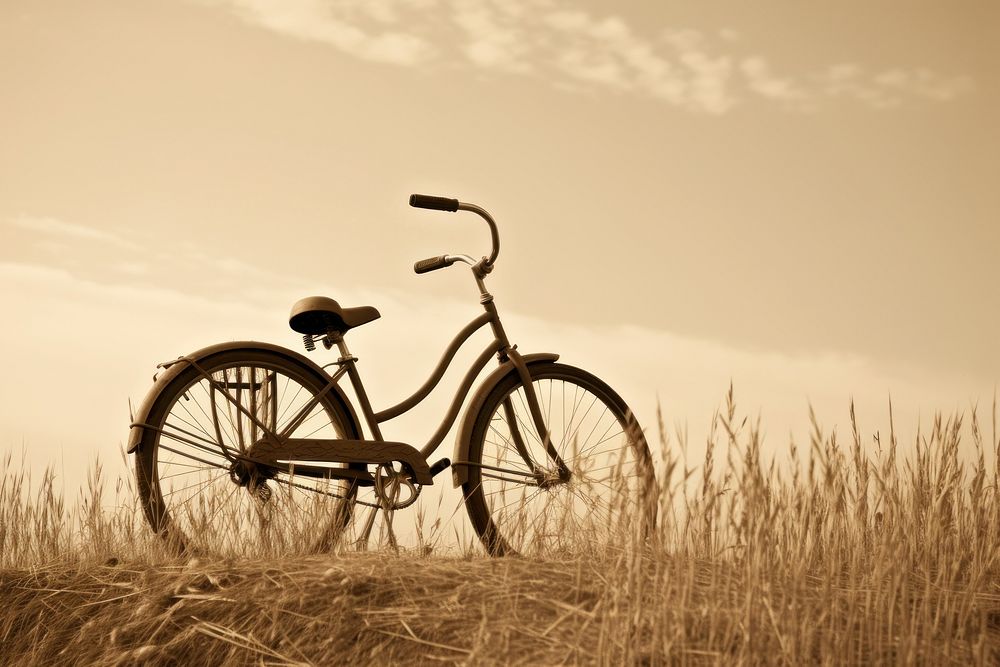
(440,466)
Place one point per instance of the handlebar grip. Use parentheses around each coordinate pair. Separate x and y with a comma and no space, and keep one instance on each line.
(432,264)
(435,203)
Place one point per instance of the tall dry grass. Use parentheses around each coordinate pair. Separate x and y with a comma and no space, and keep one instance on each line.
(861,550)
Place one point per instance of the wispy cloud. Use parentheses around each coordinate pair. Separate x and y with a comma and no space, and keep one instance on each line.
(492,37)
(340,24)
(575,49)
(102,257)
(71,231)
(890,87)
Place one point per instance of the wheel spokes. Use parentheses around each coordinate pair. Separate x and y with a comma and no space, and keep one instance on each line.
(594,443)
(214,496)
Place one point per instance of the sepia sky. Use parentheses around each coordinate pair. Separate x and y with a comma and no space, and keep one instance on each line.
(798,197)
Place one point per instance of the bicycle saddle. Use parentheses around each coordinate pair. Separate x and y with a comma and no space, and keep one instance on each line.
(316,315)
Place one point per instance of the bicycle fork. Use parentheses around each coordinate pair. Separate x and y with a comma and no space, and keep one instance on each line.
(534,407)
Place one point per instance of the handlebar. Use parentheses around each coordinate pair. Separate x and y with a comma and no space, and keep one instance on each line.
(435,203)
(433,263)
(451,205)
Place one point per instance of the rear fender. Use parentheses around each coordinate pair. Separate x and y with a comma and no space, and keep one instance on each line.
(460,473)
(176,367)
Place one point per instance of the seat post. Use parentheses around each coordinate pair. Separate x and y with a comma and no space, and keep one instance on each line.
(338,338)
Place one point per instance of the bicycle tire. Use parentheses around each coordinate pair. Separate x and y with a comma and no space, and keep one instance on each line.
(545,519)
(307,513)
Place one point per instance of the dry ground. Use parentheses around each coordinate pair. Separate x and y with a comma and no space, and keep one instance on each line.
(387,609)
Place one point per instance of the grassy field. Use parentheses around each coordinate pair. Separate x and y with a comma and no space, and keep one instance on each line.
(862,551)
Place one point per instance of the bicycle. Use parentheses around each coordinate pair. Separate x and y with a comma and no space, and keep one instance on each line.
(239,440)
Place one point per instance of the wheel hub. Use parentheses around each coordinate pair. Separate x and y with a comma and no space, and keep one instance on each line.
(252,476)
(549,477)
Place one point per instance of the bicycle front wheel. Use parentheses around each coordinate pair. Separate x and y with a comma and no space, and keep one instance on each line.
(198,489)
(588,490)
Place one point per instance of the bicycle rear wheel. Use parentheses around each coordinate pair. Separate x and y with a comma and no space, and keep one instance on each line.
(198,493)
(521,504)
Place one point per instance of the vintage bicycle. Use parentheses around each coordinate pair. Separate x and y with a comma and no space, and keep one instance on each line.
(238,441)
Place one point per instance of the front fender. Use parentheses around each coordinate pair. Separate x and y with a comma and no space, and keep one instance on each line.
(176,367)
(460,473)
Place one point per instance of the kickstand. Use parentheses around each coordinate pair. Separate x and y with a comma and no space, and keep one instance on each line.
(389,532)
(388,498)
(362,542)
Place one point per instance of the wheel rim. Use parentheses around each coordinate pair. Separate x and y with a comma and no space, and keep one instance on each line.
(205,498)
(602,449)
